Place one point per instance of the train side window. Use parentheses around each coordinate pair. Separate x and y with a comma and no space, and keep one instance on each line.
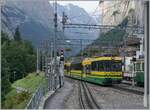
(142,66)
(94,66)
(138,66)
(89,68)
(101,66)
(107,66)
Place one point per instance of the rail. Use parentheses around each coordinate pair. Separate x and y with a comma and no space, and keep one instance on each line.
(128,88)
(86,99)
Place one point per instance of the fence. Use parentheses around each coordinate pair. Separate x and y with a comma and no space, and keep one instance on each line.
(52,83)
(37,96)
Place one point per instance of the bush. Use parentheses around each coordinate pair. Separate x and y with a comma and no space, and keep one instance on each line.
(16,100)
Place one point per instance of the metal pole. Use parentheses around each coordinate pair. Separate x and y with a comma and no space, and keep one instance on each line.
(81,57)
(37,63)
(146,58)
(63,21)
(45,63)
(51,67)
(55,47)
(124,53)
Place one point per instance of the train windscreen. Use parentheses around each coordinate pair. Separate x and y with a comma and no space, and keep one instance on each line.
(107,66)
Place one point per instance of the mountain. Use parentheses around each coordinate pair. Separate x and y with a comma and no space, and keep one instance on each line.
(96,17)
(11,17)
(75,14)
(78,15)
(109,42)
(39,10)
(34,18)
(35,21)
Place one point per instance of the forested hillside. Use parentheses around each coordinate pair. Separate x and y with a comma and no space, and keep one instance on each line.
(112,38)
(18,59)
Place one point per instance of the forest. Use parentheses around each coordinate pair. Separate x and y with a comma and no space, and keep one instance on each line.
(18,60)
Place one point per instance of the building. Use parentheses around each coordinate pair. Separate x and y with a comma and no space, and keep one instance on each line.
(130,46)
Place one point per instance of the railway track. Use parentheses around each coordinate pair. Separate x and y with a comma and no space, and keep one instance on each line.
(128,88)
(86,99)
(122,87)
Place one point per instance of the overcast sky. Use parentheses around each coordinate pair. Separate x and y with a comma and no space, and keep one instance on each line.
(89,6)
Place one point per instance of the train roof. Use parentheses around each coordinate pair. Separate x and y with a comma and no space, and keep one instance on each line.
(68,63)
(88,61)
(107,58)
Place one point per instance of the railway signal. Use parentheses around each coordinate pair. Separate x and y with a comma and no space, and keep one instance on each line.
(61,55)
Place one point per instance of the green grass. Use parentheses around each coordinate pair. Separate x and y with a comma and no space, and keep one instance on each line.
(16,100)
(31,82)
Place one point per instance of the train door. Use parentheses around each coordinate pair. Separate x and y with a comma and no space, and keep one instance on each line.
(88,69)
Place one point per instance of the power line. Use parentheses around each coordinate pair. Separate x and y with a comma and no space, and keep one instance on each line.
(135,29)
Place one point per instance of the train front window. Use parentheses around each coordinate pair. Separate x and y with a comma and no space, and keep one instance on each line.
(107,66)
(76,66)
(116,66)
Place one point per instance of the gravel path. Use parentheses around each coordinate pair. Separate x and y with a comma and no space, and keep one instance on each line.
(72,101)
(64,98)
(108,98)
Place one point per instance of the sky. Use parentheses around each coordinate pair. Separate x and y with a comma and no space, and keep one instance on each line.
(89,6)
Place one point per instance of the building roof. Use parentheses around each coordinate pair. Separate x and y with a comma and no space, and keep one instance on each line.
(131,41)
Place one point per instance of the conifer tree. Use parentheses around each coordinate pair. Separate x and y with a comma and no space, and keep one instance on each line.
(17,36)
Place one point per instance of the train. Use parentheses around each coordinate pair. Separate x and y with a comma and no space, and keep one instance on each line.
(134,70)
(99,70)
(128,69)
(139,72)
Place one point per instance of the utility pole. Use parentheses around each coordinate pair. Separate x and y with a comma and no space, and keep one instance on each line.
(146,54)
(81,49)
(55,47)
(51,65)
(37,63)
(64,20)
(61,70)
(46,59)
(81,56)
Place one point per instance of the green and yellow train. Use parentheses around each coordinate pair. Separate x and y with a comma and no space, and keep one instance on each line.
(139,72)
(100,70)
